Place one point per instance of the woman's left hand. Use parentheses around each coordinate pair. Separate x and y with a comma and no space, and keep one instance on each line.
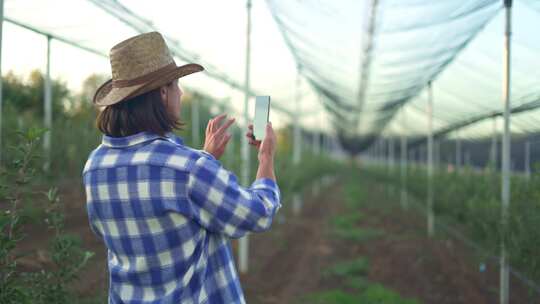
(217,137)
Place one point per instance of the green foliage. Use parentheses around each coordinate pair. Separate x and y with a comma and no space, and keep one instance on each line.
(312,167)
(333,297)
(345,226)
(470,201)
(26,96)
(67,256)
(359,266)
(346,221)
(353,190)
(356,283)
(372,294)
(352,274)
(378,294)
(357,234)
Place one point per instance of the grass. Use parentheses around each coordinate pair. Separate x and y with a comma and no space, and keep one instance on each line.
(345,227)
(359,266)
(353,273)
(332,296)
(357,234)
(378,294)
(347,220)
(353,192)
(372,294)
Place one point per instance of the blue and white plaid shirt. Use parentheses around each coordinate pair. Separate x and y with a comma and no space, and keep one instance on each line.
(166,213)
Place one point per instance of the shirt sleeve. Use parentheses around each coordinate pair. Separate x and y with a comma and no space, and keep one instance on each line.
(221,205)
(207,155)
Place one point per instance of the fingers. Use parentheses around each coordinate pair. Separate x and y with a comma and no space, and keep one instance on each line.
(269,130)
(209,126)
(226,140)
(268,146)
(225,126)
(254,142)
(214,122)
(223,141)
(251,139)
(249,134)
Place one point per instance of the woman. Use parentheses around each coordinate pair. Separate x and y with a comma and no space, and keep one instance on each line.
(166,211)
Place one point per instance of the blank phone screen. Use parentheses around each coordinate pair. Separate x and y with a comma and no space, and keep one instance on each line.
(262,111)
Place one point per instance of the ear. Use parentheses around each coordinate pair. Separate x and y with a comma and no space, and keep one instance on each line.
(163,94)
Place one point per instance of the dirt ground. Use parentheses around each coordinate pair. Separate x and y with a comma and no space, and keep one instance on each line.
(286,263)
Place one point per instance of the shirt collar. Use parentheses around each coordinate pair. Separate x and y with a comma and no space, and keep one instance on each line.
(135,139)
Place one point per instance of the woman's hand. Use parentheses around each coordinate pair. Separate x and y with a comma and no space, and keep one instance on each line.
(266,147)
(251,138)
(217,137)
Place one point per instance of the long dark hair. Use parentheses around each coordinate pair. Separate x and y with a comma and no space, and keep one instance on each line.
(145,112)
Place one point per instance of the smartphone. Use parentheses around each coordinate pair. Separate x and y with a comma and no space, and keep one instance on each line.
(262,114)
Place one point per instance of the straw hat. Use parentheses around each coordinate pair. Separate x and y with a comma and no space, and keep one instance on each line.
(140,64)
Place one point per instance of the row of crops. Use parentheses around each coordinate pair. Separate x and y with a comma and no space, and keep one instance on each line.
(469,201)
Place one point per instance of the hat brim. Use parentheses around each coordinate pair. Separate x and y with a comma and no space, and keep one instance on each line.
(107,95)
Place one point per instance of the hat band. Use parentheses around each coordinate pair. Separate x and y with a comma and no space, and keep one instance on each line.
(121,83)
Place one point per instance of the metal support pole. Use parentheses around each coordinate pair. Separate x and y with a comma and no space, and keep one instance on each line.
(528,159)
(244,241)
(296,203)
(383,151)
(317,149)
(505,189)
(1,88)
(231,147)
(458,152)
(297,144)
(494,145)
(391,148)
(386,150)
(380,152)
(195,123)
(373,149)
(376,151)
(316,143)
(404,203)
(47,110)
(324,143)
(435,151)
(431,216)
